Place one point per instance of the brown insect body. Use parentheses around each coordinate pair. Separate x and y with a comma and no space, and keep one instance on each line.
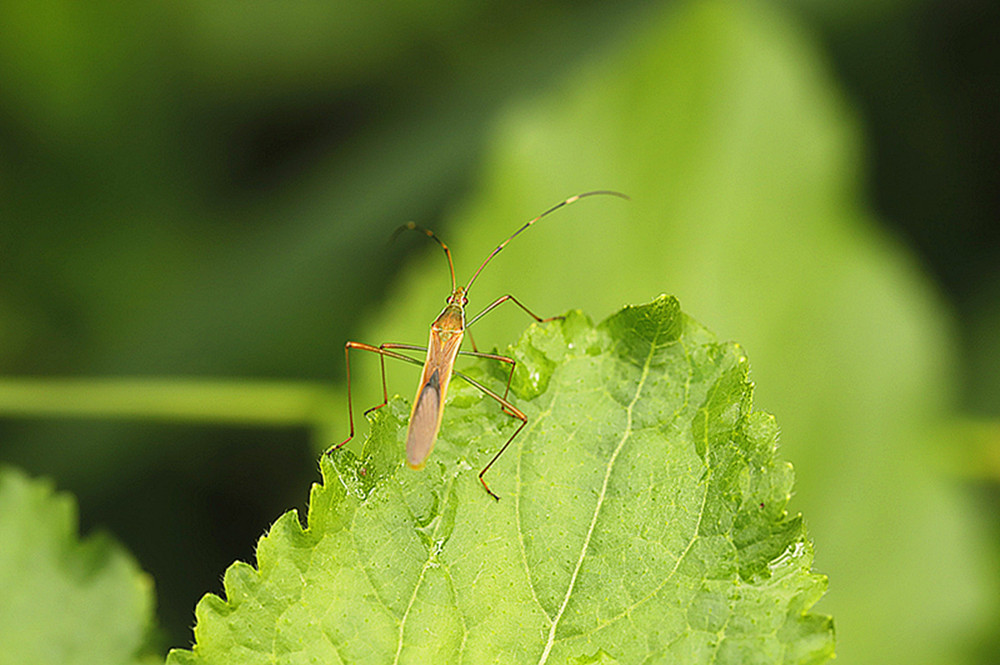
(446,336)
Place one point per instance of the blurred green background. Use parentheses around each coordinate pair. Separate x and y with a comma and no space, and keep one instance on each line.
(195,200)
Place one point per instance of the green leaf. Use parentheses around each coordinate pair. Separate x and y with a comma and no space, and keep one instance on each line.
(62,600)
(642,518)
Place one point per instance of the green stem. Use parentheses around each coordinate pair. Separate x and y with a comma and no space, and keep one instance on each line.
(275,403)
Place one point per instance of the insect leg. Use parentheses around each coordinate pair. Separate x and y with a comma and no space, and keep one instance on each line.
(404,347)
(503,299)
(383,353)
(503,359)
(511,411)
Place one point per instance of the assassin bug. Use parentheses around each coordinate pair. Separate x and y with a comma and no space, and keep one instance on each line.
(446,336)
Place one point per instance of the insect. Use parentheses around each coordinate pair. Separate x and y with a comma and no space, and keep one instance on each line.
(447,333)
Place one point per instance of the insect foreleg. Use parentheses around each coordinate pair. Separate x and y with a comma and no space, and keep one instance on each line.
(383,353)
(503,299)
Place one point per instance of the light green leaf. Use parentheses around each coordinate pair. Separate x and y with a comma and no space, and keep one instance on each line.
(642,518)
(61,600)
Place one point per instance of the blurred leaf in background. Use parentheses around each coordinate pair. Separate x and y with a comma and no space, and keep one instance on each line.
(744,167)
(64,600)
(205,189)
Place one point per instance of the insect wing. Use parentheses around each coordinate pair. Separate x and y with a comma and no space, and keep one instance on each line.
(425,419)
(424,422)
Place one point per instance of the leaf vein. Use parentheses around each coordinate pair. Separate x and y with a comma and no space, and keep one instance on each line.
(432,554)
(597,508)
(694,536)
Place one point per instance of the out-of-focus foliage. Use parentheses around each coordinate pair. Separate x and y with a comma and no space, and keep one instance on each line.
(64,600)
(158,222)
(205,189)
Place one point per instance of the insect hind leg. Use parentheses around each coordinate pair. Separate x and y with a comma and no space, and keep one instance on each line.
(508,409)
(503,359)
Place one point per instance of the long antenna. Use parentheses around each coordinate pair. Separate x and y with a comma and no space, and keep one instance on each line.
(412,226)
(572,199)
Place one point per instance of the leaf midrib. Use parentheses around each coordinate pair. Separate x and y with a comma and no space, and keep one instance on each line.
(416,587)
(677,564)
(597,508)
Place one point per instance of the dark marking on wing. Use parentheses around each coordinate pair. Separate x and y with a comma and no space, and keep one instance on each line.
(424,422)
(433,382)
